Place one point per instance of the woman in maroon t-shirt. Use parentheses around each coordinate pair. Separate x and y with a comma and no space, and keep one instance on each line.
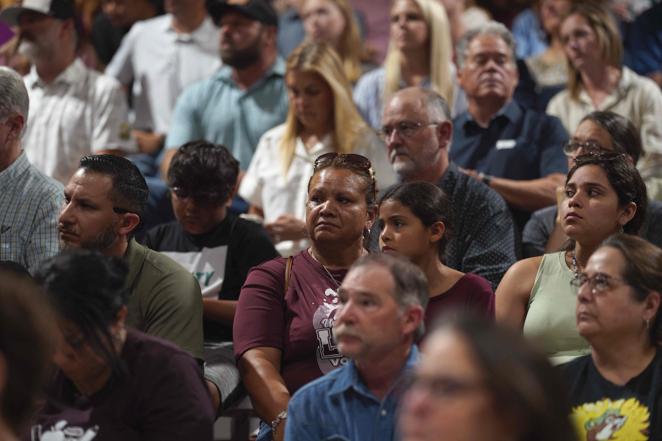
(282,326)
(415,223)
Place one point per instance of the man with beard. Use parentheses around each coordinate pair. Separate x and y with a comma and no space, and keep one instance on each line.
(158,58)
(104,202)
(383,299)
(246,97)
(76,111)
(417,132)
(516,151)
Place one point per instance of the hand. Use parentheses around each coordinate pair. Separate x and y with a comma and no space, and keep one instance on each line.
(148,142)
(286,227)
(469,172)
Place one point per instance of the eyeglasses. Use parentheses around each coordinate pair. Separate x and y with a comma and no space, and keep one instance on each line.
(202,197)
(406,129)
(599,282)
(443,388)
(588,147)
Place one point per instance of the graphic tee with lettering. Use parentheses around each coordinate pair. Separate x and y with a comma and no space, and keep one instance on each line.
(298,322)
(603,411)
(220,260)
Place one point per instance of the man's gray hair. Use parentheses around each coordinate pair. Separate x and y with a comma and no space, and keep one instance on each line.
(489,28)
(411,285)
(13,94)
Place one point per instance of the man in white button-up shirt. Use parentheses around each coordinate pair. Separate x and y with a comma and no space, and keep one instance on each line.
(76,110)
(160,57)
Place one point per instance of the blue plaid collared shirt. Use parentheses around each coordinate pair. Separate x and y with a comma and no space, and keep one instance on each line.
(29,207)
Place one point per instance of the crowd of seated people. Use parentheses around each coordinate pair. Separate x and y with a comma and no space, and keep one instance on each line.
(464,230)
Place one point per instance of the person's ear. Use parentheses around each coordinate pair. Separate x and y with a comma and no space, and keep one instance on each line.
(627,214)
(16,122)
(372,215)
(437,231)
(651,306)
(412,319)
(128,223)
(444,133)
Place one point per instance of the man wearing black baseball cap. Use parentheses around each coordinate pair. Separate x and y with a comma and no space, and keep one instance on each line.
(247,96)
(75,111)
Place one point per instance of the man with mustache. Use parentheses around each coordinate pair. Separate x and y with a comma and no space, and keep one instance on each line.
(104,203)
(383,299)
(76,111)
(417,131)
(516,151)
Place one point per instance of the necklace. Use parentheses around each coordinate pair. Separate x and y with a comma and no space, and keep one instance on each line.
(575,267)
(326,270)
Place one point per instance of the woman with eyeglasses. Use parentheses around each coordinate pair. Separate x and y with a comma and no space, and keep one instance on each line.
(599,131)
(282,326)
(597,80)
(415,222)
(322,118)
(604,194)
(616,391)
(420,53)
(479,381)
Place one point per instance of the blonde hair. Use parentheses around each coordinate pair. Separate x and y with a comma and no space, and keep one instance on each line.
(350,46)
(440,52)
(607,34)
(320,58)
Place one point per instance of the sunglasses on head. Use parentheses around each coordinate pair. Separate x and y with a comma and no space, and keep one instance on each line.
(349,160)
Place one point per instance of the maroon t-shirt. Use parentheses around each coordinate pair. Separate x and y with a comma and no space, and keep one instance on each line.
(298,323)
(162,397)
(471,293)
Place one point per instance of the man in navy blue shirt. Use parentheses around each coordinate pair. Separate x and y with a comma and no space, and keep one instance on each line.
(516,151)
(383,298)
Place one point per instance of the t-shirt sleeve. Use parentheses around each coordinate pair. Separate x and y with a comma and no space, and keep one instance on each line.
(552,138)
(185,125)
(482,296)
(175,313)
(260,316)
(179,405)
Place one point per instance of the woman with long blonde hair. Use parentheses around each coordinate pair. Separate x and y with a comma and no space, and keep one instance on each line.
(420,53)
(333,22)
(322,118)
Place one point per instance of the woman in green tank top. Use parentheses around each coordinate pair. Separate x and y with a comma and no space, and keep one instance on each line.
(604,194)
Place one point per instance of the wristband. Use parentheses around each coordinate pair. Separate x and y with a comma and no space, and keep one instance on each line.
(279,419)
(485,179)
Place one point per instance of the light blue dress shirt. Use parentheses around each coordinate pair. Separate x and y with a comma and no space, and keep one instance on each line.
(339,406)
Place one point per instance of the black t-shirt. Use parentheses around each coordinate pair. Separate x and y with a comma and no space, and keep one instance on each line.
(161,397)
(603,410)
(220,259)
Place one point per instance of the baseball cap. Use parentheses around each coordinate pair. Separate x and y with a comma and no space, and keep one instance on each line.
(260,10)
(62,9)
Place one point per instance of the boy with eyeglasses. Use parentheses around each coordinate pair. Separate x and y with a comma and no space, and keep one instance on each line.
(215,245)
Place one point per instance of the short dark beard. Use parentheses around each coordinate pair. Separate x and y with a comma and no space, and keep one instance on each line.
(241,59)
